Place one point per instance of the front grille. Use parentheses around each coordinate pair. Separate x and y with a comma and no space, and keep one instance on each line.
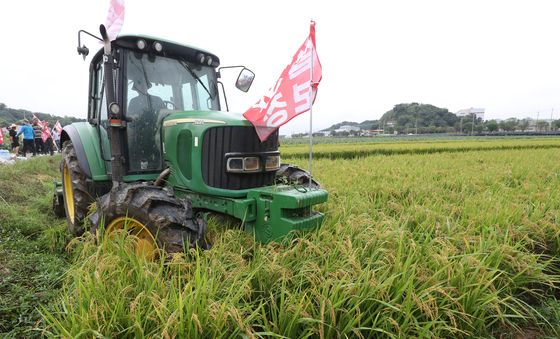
(218,141)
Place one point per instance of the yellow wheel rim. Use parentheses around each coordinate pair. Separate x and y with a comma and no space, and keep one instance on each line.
(68,193)
(145,244)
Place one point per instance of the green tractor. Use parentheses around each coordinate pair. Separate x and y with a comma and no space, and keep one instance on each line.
(157,154)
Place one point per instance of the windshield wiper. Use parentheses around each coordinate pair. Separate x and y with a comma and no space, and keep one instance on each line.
(196,77)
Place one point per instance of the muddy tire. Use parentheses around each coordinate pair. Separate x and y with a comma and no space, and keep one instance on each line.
(75,193)
(169,220)
(293,175)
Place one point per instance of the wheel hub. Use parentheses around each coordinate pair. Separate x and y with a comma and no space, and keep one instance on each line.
(145,244)
(68,193)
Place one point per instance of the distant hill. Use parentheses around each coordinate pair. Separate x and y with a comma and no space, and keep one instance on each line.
(10,116)
(405,118)
(427,118)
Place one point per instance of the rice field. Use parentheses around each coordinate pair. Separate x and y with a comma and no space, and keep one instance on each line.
(446,239)
(416,146)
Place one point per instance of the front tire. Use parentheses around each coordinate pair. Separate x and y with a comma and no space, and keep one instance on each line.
(153,215)
(76,196)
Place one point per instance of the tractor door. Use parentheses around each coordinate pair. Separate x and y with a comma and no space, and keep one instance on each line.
(146,96)
(97,110)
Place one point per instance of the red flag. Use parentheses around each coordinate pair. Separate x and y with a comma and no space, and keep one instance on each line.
(115,18)
(291,95)
(46,133)
(39,122)
(1,136)
(58,127)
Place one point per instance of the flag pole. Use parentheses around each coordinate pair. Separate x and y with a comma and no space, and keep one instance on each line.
(311,113)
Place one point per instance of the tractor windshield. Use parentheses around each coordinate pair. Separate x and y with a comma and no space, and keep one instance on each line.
(157,85)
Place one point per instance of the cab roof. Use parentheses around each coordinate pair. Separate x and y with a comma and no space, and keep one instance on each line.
(170,49)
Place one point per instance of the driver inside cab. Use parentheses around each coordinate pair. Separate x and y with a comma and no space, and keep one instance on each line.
(144,102)
(143,139)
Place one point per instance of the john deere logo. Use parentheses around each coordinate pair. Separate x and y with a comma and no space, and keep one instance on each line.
(191,121)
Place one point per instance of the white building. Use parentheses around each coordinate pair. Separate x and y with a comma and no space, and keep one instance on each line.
(479,112)
(347,128)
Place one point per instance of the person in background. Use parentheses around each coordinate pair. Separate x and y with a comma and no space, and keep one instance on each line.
(56,138)
(48,146)
(28,138)
(38,130)
(14,139)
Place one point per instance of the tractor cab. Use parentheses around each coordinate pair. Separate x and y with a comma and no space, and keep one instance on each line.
(154,78)
(156,86)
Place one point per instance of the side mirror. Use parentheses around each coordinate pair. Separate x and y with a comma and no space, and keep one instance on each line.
(245,79)
(84,51)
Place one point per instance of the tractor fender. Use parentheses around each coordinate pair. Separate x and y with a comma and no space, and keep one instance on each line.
(85,139)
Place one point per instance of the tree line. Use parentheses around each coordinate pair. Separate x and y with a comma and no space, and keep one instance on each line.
(10,116)
(425,119)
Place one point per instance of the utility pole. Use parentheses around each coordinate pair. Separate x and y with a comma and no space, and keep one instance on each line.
(472,127)
(461,126)
(550,126)
(537,123)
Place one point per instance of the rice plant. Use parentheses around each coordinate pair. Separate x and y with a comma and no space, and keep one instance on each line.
(362,149)
(450,244)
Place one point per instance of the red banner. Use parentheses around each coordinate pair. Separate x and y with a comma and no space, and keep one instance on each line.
(115,18)
(1,136)
(46,132)
(39,122)
(58,127)
(293,93)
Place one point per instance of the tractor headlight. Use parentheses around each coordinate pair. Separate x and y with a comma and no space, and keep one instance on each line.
(235,165)
(251,164)
(272,163)
(158,47)
(141,44)
(243,164)
(114,108)
(200,58)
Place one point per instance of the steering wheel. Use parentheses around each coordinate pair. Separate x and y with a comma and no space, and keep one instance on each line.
(169,103)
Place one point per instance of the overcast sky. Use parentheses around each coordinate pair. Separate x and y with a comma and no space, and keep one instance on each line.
(503,56)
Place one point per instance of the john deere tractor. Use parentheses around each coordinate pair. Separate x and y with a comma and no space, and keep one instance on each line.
(157,154)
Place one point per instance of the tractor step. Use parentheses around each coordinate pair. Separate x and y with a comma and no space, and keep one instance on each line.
(58,200)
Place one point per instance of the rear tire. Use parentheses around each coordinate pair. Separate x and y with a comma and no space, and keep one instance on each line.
(293,175)
(76,196)
(169,220)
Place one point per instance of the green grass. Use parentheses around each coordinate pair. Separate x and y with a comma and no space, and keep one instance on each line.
(32,259)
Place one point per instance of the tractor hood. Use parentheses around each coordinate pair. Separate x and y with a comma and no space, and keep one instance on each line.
(204,118)
(202,144)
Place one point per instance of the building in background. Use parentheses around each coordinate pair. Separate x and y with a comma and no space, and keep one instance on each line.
(347,128)
(479,112)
